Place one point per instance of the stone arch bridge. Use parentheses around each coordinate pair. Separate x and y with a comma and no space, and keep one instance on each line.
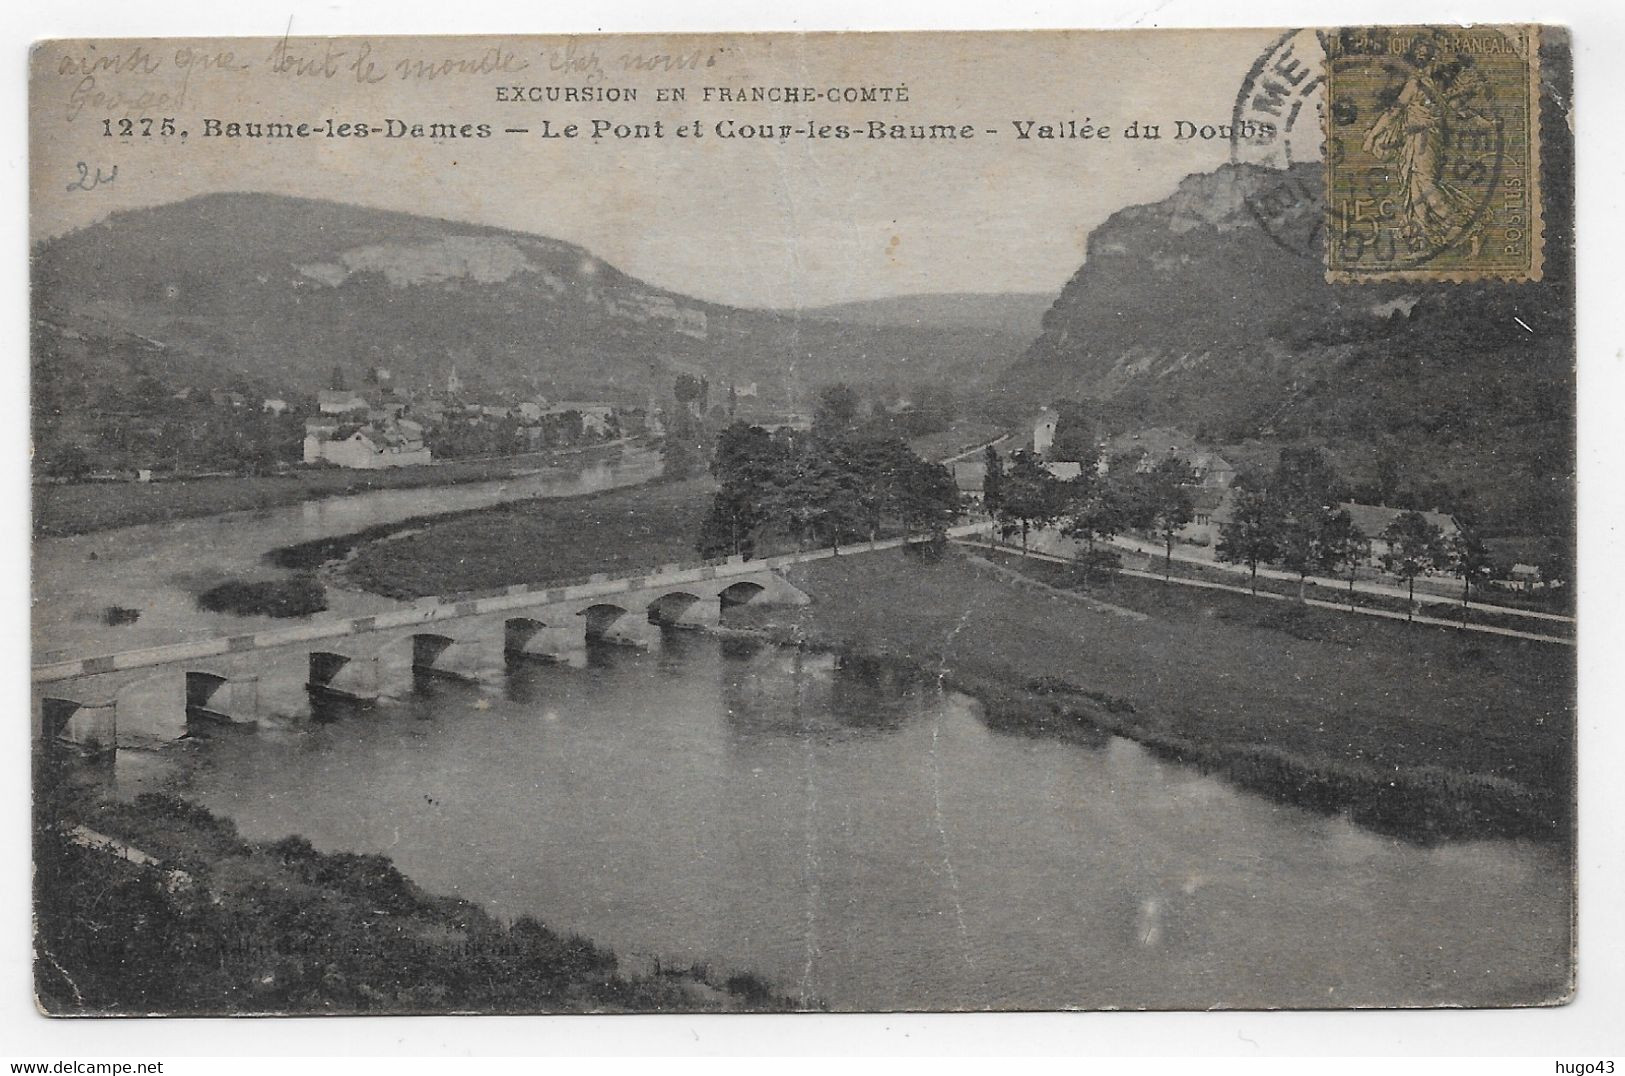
(361,660)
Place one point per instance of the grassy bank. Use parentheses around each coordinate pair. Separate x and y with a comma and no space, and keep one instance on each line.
(536,540)
(1412,730)
(280,927)
(81,508)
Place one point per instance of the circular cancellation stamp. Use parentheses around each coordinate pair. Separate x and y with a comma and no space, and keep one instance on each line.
(1399,153)
(1276,127)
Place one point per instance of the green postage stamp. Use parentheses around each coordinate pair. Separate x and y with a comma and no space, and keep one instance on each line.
(1432,154)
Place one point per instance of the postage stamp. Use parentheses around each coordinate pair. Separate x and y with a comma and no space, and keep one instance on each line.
(1432,154)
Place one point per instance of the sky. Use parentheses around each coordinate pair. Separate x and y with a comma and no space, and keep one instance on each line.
(761,223)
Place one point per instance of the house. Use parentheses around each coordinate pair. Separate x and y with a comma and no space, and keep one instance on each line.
(530,411)
(1149,447)
(340,402)
(1064,471)
(274,406)
(1044,432)
(223,398)
(596,418)
(367,447)
(321,424)
(1211,509)
(970,476)
(1372,519)
(1521,577)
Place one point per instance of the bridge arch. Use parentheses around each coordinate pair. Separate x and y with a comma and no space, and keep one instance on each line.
(675,607)
(740,593)
(601,618)
(427,648)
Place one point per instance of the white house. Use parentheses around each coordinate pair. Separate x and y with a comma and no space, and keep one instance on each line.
(1044,432)
(340,402)
(366,448)
(1371,520)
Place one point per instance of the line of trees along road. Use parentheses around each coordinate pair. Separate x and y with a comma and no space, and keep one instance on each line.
(826,487)
(1092,507)
(1290,519)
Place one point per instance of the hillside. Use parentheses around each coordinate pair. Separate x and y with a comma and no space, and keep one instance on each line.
(1018,314)
(280,290)
(1186,313)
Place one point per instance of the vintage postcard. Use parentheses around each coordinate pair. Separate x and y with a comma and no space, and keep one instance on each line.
(804,522)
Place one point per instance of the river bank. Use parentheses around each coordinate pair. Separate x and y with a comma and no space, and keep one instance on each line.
(88,507)
(1411,732)
(204,922)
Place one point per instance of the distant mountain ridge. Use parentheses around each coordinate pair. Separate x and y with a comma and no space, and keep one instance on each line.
(1016,313)
(284,289)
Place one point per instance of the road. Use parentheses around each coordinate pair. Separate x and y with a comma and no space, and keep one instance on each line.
(1360,586)
(1318,603)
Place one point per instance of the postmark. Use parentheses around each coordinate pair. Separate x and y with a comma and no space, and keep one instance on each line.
(1432,154)
(1277,135)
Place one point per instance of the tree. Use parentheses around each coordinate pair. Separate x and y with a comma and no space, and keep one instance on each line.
(1096,515)
(836,410)
(336,382)
(1074,435)
(747,463)
(929,499)
(1468,558)
(992,481)
(1342,547)
(1252,535)
(1162,503)
(1304,477)
(679,460)
(1304,487)
(1415,546)
(1030,496)
(689,391)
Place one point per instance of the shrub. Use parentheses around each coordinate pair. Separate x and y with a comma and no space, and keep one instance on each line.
(298,596)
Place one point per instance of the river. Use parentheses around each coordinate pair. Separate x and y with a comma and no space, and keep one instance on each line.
(873,843)
(160,568)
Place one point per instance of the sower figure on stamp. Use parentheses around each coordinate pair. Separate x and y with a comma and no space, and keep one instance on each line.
(1412,133)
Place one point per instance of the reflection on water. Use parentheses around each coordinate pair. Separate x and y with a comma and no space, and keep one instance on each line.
(157,570)
(867,839)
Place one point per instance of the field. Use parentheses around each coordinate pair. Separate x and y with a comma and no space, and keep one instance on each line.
(959,436)
(539,540)
(1414,729)
(82,507)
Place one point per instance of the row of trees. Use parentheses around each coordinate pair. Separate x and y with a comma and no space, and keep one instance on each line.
(1293,521)
(1093,507)
(820,488)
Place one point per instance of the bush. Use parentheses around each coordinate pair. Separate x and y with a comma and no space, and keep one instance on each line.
(299,596)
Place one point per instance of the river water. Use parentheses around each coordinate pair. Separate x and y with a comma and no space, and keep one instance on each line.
(160,568)
(869,843)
